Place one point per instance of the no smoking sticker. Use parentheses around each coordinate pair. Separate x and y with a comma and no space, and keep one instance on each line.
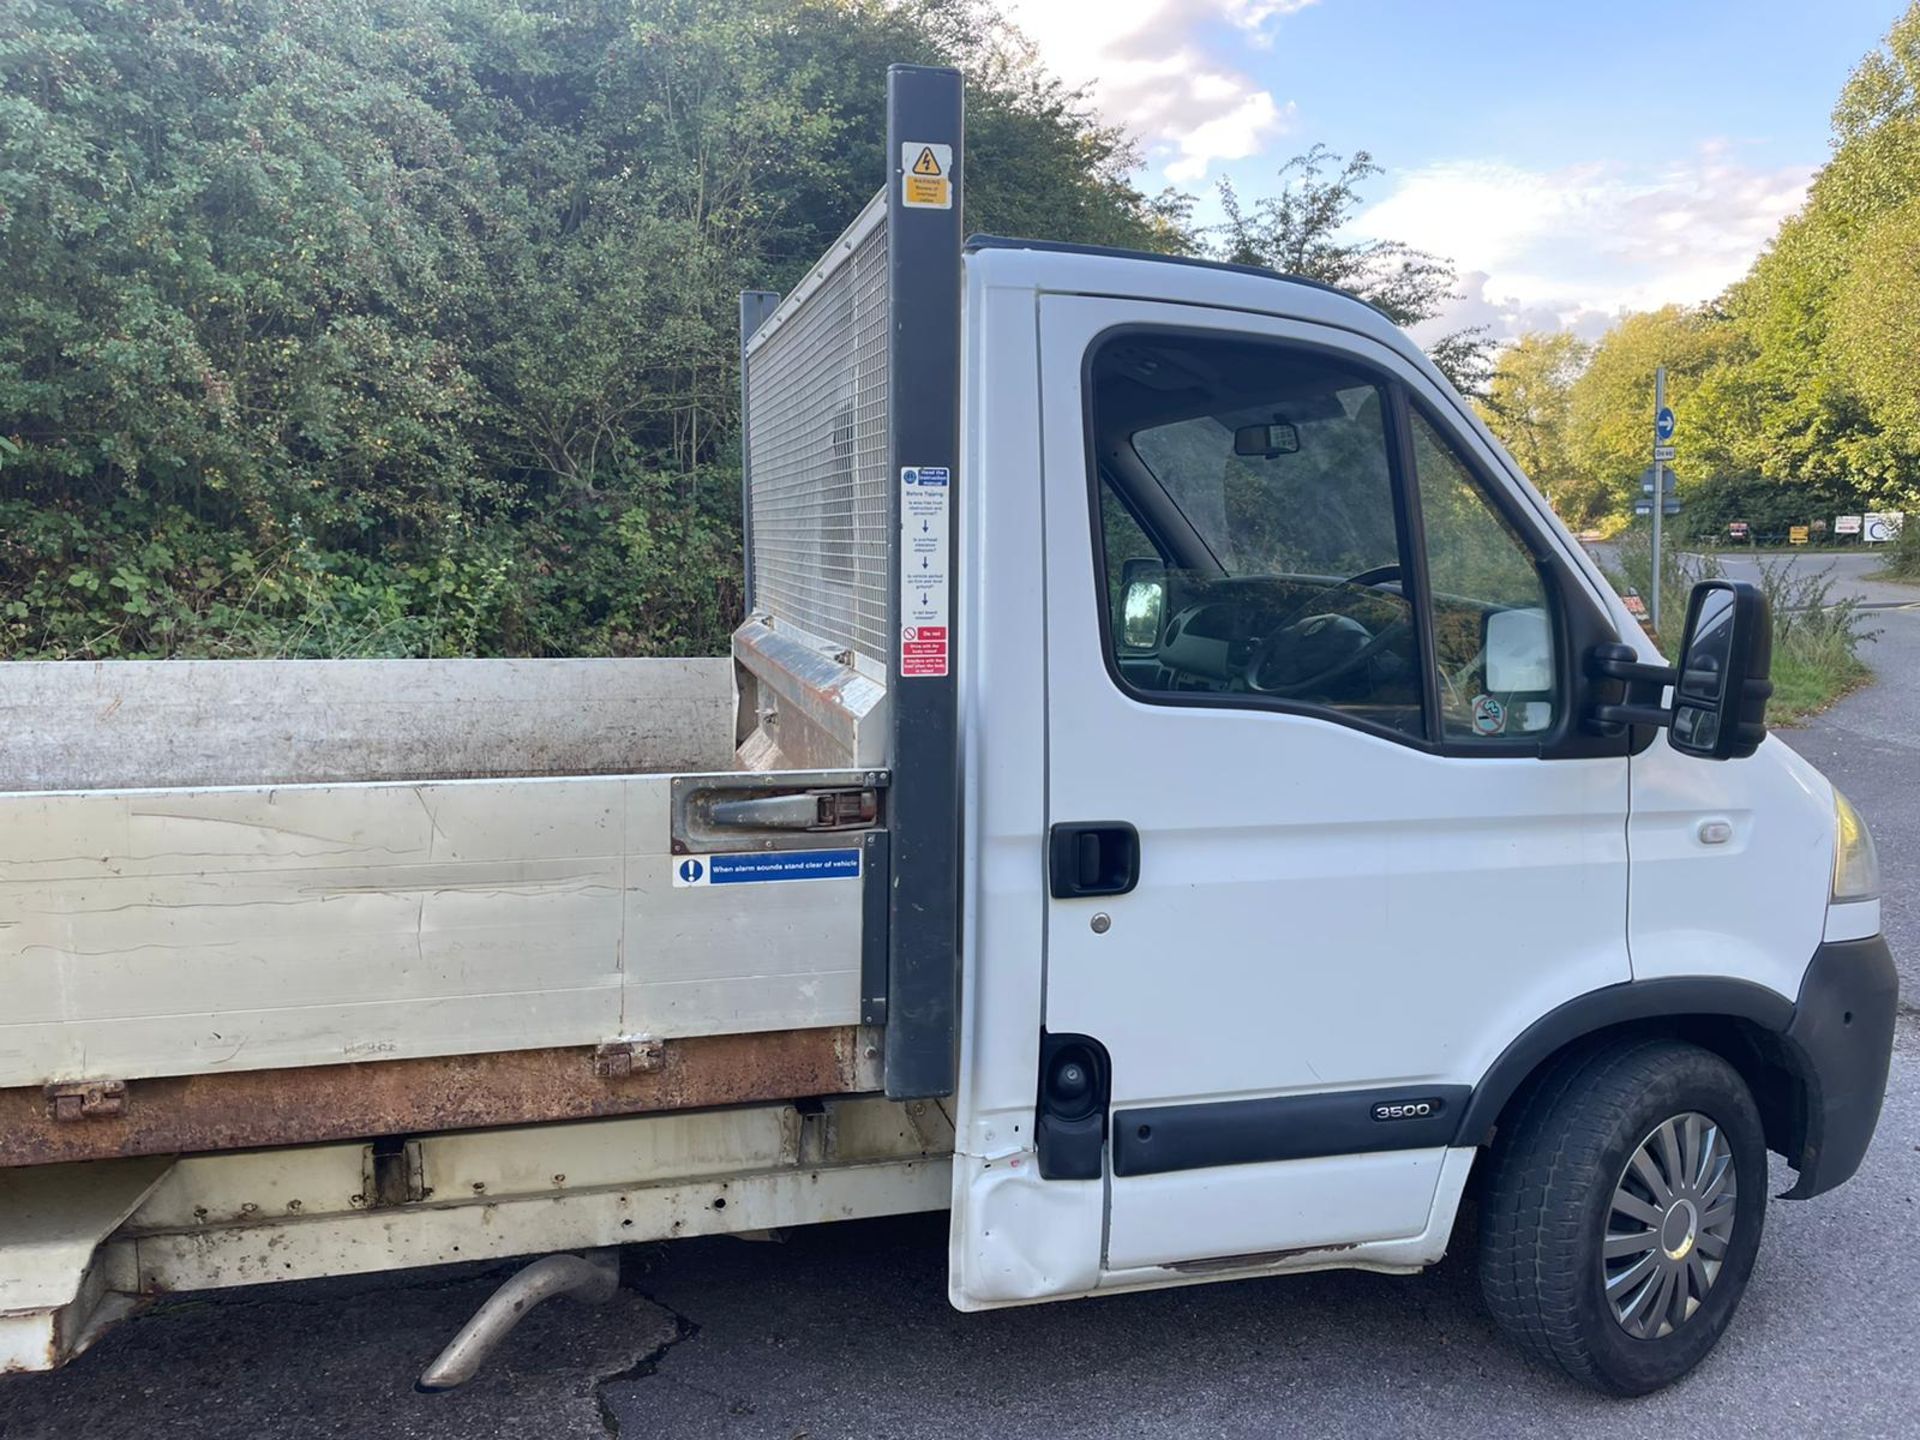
(926,176)
(1489,715)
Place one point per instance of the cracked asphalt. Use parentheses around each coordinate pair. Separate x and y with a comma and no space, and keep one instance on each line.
(845,1331)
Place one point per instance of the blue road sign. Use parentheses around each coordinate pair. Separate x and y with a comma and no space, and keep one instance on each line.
(1663,424)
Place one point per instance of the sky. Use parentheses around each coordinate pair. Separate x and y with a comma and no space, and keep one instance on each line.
(1575,159)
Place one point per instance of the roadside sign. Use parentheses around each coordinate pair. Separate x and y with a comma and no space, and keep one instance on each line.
(1645,507)
(1881,527)
(1646,481)
(1797,535)
(1663,427)
(1663,453)
(1846,524)
(1737,530)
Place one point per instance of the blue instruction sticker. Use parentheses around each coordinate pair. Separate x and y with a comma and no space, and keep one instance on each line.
(759,867)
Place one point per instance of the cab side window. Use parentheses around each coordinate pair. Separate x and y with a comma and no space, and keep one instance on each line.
(1493,637)
(1253,486)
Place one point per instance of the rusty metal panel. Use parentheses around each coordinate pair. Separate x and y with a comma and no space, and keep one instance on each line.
(233,1110)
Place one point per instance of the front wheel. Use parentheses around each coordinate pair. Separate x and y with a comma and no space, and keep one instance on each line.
(1623,1211)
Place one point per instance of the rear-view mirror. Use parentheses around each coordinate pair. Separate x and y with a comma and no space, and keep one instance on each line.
(1722,682)
(1266,441)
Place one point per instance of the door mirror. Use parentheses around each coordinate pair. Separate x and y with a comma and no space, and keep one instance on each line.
(1721,684)
(1519,646)
(1143,604)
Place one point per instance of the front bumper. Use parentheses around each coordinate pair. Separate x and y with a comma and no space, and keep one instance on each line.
(1840,1043)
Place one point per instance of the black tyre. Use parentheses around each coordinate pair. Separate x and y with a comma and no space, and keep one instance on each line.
(1622,1212)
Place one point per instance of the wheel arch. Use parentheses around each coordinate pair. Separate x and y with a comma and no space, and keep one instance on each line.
(1742,1022)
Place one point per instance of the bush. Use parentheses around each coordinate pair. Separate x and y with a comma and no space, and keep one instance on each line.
(407,327)
(1770,507)
(1903,556)
(1816,640)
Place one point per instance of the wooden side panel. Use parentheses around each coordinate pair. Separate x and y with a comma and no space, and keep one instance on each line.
(173,932)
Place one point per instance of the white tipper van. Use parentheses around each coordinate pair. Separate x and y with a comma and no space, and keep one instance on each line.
(1195,813)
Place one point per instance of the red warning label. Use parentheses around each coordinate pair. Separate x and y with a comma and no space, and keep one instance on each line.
(923,650)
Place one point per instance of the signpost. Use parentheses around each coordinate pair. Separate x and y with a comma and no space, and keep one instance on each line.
(1669,502)
(1663,427)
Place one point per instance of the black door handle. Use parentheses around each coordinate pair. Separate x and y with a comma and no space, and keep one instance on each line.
(1100,857)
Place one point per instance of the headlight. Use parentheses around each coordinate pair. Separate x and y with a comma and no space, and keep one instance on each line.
(1856,868)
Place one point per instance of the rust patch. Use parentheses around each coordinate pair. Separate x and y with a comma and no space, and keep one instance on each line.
(186,1114)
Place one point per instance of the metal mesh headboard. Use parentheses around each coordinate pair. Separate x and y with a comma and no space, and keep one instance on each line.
(817,434)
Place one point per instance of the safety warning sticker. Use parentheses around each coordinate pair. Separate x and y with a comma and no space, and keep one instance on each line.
(754,868)
(923,569)
(926,180)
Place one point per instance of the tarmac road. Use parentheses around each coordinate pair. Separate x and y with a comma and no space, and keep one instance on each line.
(845,1330)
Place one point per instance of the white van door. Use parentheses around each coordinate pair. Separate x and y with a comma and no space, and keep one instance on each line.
(1324,835)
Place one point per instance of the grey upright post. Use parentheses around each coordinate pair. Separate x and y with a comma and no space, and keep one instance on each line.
(755,307)
(1659,489)
(924,189)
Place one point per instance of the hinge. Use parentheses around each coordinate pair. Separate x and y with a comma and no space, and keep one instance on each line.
(617,1058)
(69,1100)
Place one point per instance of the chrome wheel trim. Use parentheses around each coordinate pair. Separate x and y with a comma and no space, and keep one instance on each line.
(1668,1226)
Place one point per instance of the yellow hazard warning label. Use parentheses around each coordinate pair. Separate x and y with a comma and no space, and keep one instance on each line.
(926,178)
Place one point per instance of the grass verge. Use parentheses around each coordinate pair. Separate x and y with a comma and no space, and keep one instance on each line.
(1816,638)
(1816,643)
(1804,683)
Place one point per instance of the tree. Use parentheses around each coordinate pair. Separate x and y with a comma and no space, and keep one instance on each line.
(1529,406)
(1300,229)
(408,326)
(1875,337)
(1610,407)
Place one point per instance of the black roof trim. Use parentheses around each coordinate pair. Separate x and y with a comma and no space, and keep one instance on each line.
(1114,252)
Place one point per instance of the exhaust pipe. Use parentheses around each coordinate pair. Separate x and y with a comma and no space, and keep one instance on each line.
(593,1277)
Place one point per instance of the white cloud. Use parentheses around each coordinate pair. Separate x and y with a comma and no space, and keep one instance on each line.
(1578,246)
(1146,71)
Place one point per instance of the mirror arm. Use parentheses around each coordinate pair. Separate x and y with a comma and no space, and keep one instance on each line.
(1622,662)
(1619,667)
(1611,719)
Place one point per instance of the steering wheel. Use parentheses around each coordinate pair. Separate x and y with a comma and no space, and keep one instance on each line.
(1290,632)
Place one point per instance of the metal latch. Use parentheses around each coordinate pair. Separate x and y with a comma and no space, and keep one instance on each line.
(617,1058)
(810,810)
(69,1100)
